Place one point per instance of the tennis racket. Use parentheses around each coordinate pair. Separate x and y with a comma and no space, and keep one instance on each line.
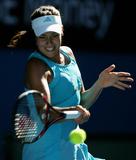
(34,115)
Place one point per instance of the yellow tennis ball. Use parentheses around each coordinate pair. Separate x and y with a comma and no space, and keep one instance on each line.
(77,136)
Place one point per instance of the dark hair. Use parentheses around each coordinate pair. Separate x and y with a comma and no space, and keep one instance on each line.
(45,10)
(26,39)
(21,39)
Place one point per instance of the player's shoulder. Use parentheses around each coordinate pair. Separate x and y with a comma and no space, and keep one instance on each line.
(35,64)
(67,50)
(36,59)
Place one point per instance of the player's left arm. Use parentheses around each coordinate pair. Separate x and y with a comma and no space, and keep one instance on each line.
(107,78)
(89,96)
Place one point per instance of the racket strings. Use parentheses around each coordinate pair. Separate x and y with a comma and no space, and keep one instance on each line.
(24,127)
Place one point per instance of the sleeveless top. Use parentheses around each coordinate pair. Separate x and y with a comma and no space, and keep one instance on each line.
(66,79)
(65,91)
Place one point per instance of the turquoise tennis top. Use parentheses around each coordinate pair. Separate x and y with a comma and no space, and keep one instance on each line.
(65,91)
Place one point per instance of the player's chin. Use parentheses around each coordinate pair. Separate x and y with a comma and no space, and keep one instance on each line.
(49,54)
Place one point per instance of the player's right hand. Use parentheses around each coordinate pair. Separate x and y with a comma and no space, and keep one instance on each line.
(85,115)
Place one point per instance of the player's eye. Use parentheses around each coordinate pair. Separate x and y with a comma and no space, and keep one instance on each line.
(42,37)
(55,35)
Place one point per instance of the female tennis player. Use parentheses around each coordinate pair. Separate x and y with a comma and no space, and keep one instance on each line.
(52,70)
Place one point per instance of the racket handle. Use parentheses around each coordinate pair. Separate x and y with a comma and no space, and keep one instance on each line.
(72,114)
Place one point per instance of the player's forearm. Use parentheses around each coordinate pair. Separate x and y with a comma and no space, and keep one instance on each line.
(88,97)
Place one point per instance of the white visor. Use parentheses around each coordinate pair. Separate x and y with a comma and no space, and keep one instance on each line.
(49,23)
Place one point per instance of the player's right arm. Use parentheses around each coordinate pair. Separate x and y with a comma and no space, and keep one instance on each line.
(37,76)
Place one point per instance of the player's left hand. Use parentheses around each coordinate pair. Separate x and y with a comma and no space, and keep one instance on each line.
(120,80)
